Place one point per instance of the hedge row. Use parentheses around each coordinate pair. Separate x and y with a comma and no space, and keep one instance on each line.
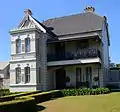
(45,96)
(21,104)
(84,91)
(13,96)
(4,92)
(28,103)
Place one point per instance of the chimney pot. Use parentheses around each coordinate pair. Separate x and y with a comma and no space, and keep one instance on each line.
(89,9)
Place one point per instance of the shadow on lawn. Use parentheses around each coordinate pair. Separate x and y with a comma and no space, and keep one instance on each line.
(40,108)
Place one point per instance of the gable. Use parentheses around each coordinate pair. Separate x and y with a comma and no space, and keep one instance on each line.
(29,21)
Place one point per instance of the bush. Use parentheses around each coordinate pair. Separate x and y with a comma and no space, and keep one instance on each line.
(84,91)
(56,94)
(45,96)
(13,96)
(41,97)
(21,104)
(4,92)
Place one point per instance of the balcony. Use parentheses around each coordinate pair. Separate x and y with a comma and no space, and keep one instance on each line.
(80,54)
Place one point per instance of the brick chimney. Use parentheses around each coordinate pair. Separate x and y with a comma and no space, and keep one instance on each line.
(89,9)
(28,12)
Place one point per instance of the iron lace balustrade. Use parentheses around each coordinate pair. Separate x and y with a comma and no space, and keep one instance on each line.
(79,54)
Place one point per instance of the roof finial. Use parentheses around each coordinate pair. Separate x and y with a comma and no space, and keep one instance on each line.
(28,12)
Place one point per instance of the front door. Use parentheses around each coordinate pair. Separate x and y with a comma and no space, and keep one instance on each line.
(60,79)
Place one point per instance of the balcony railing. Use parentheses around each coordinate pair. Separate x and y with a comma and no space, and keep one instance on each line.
(79,54)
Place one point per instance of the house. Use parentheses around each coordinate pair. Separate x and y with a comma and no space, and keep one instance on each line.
(4,75)
(69,51)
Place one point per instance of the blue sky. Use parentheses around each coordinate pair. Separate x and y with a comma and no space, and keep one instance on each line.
(12,12)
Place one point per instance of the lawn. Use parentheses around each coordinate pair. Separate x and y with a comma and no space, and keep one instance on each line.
(99,103)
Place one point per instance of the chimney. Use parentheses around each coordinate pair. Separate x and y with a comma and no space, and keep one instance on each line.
(89,9)
(28,12)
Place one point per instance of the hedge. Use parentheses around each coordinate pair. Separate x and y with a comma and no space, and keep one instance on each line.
(13,96)
(21,104)
(45,96)
(4,92)
(84,91)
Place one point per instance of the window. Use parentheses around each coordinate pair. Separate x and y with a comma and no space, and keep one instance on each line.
(78,75)
(88,73)
(27,74)
(18,75)
(18,46)
(27,44)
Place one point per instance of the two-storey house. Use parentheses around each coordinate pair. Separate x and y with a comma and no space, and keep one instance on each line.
(69,51)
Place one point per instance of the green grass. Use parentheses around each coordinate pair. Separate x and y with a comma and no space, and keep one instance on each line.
(99,103)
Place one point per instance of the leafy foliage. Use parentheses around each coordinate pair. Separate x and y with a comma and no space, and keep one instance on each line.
(21,104)
(84,91)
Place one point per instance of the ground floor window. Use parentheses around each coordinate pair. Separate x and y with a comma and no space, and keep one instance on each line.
(18,75)
(27,74)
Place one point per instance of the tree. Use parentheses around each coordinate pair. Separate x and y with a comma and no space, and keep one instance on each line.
(111,64)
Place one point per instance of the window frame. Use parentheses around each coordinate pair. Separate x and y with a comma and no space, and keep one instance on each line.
(27,74)
(18,45)
(18,75)
(27,44)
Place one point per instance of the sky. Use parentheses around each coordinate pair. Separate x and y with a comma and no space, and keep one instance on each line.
(12,12)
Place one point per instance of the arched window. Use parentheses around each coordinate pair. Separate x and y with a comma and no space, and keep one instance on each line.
(18,46)
(27,74)
(27,44)
(18,75)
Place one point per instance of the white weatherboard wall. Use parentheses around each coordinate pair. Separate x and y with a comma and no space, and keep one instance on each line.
(105,55)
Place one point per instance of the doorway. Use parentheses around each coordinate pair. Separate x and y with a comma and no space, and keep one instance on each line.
(60,78)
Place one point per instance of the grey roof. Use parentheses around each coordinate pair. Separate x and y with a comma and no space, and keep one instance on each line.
(3,65)
(79,23)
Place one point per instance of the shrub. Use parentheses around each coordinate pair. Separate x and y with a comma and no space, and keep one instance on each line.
(21,104)
(13,96)
(56,94)
(45,96)
(41,97)
(84,91)
(4,92)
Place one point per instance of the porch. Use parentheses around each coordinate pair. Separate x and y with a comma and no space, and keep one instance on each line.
(75,76)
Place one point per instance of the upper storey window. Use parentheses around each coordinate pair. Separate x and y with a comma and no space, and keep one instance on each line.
(27,44)
(18,46)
